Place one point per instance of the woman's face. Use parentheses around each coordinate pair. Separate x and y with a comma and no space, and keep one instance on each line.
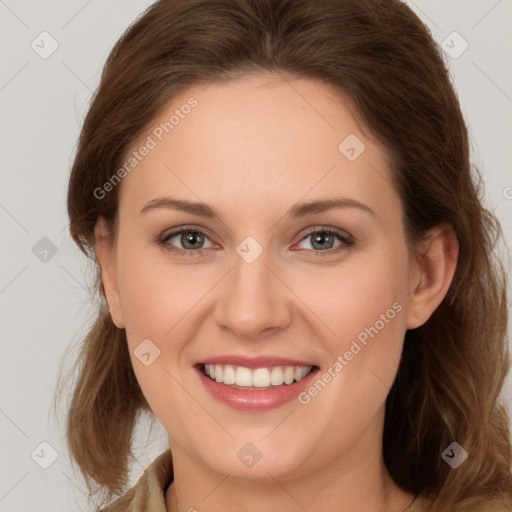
(273,284)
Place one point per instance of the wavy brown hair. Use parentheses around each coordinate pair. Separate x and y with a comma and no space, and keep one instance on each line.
(381,56)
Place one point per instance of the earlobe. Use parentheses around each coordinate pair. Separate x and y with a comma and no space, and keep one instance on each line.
(432,274)
(106,257)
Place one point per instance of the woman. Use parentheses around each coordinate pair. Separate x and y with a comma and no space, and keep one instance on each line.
(298,273)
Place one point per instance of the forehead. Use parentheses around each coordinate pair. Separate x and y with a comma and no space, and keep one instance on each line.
(257,138)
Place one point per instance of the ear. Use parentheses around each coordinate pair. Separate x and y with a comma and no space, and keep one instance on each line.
(105,251)
(431,274)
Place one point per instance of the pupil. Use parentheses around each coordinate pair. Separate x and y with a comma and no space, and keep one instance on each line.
(192,238)
(322,238)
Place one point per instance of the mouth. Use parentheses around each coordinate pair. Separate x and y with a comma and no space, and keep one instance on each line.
(255,385)
(255,379)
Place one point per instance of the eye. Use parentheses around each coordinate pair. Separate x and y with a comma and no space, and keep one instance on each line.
(191,240)
(188,241)
(323,240)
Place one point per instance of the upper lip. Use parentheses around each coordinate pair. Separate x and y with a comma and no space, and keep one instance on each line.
(254,362)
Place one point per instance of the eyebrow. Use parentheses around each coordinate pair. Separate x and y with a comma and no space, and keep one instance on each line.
(300,209)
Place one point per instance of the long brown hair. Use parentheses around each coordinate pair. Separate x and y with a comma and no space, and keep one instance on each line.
(380,55)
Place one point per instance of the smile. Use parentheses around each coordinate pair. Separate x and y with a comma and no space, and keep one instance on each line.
(255,384)
(240,377)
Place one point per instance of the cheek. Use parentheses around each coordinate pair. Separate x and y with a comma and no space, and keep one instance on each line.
(155,303)
(366,314)
(156,296)
(352,296)
(159,302)
(370,320)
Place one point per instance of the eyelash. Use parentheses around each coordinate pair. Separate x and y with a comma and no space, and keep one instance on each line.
(346,242)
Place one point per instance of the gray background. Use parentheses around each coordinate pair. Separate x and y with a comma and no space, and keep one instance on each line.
(44,297)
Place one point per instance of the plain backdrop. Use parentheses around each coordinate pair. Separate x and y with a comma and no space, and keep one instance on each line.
(44,281)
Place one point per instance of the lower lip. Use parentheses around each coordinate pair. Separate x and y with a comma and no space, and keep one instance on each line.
(255,400)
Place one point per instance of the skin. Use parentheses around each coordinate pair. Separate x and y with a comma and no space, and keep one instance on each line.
(251,149)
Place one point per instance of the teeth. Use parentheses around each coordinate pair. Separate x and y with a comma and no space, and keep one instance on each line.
(276,376)
(261,378)
(289,374)
(243,376)
(228,377)
(257,378)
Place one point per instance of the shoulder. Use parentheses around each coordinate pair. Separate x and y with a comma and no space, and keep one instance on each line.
(148,494)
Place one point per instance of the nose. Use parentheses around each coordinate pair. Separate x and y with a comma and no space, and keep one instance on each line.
(253,302)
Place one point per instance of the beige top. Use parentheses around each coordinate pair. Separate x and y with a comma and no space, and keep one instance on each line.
(148,494)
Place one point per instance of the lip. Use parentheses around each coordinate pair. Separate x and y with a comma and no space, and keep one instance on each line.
(255,400)
(254,362)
